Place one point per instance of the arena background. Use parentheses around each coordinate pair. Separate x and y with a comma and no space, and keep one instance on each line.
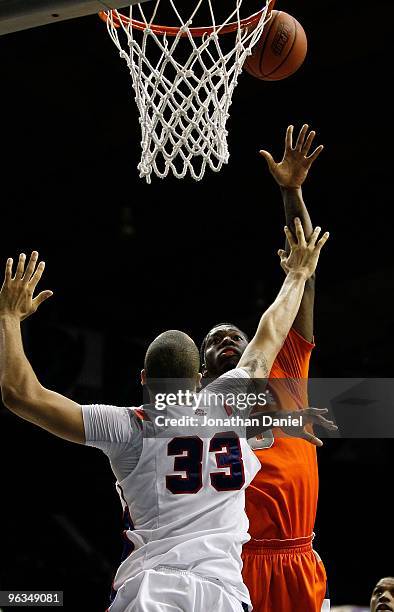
(127,260)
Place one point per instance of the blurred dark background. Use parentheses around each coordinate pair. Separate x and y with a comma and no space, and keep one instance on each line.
(128,260)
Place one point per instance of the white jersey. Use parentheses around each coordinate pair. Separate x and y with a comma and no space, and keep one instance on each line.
(185,495)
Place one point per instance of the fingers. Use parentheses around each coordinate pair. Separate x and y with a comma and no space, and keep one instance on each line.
(37,275)
(330,425)
(299,232)
(270,160)
(20,267)
(308,142)
(314,236)
(21,273)
(323,241)
(31,275)
(41,297)
(321,421)
(311,158)
(283,260)
(310,437)
(289,138)
(8,269)
(303,145)
(301,137)
(311,410)
(30,266)
(315,415)
(290,238)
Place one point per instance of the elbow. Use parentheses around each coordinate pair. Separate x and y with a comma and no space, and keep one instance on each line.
(15,398)
(9,396)
(20,403)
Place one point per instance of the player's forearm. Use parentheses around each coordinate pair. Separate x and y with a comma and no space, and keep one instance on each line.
(274,325)
(279,317)
(294,206)
(19,383)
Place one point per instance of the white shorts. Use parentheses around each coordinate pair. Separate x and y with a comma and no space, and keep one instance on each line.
(171,590)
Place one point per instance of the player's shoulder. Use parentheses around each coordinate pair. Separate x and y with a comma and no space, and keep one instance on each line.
(235,373)
(116,413)
(109,424)
(226,381)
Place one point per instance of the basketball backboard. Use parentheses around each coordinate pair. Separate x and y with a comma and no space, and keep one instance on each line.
(23,14)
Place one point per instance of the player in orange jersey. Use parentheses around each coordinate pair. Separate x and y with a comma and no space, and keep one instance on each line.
(281,569)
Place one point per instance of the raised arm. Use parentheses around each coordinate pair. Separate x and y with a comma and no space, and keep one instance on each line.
(276,322)
(290,174)
(21,391)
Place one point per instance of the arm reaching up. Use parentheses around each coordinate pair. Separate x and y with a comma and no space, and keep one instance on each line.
(22,393)
(290,174)
(277,320)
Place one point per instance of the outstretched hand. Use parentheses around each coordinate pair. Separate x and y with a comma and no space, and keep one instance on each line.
(291,172)
(310,416)
(303,256)
(16,295)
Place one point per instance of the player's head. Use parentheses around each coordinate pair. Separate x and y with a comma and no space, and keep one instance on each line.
(383,595)
(172,360)
(221,349)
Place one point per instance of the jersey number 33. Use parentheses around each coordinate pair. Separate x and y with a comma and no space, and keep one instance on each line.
(189,454)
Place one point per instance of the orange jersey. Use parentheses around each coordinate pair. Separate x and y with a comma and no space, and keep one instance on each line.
(282,499)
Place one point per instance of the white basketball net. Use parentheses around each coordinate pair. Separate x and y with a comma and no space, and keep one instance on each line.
(184,93)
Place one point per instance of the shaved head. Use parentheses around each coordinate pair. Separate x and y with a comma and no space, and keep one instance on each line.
(172,355)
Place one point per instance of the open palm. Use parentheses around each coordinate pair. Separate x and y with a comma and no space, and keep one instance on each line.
(291,172)
(303,256)
(17,293)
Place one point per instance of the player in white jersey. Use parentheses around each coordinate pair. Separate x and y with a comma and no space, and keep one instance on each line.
(185,495)
(184,492)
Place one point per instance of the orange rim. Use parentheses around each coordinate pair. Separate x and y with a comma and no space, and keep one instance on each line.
(118,19)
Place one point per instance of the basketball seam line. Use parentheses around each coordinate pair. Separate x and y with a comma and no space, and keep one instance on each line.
(290,50)
(265,43)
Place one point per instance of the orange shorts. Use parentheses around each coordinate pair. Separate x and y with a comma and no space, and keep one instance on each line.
(284,576)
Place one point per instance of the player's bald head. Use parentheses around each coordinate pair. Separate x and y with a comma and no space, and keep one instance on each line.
(383,595)
(172,355)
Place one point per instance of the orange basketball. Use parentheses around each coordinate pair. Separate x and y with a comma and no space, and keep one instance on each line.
(280,50)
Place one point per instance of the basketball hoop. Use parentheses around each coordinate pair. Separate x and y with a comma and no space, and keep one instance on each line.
(183,79)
